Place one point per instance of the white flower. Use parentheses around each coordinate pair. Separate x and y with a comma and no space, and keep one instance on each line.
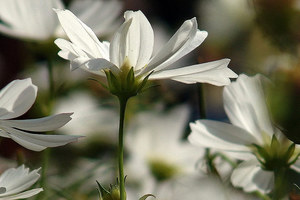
(226,19)
(251,132)
(132,46)
(157,152)
(15,180)
(202,188)
(15,99)
(89,118)
(35,19)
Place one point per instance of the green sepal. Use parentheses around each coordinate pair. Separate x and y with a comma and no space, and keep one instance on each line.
(275,145)
(102,84)
(146,196)
(262,152)
(130,79)
(102,191)
(143,83)
(289,153)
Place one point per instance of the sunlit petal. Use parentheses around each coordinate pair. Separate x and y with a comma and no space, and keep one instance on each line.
(16,98)
(245,106)
(215,73)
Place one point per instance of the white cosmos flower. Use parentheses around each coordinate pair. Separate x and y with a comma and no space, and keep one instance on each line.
(157,152)
(132,46)
(35,19)
(16,99)
(89,118)
(199,188)
(250,130)
(14,181)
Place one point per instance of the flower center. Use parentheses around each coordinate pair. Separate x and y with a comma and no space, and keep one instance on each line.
(2,190)
(162,170)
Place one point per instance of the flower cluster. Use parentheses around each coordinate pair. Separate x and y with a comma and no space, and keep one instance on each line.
(164,155)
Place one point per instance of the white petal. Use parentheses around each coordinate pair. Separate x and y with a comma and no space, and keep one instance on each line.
(97,65)
(80,34)
(186,39)
(215,73)
(16,98)
(222,136)
(38,142)
(251,177)
(100,15)
(296,166)
(68,50)
(80,59)
(117,51)
(134,41)
(244,103)
(49,123)
(23,195)
(16,180)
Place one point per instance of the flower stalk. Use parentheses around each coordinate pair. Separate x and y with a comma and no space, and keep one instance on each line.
(123,103)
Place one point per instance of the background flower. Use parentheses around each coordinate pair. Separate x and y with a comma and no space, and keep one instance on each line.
(15,99)
(14,181)
(157,151)
(35,19)
(250,134)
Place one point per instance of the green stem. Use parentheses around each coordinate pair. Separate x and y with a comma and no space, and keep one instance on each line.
(46,152)
(201,105)
(123,102)
(280,184)
(46,155)
(51,83)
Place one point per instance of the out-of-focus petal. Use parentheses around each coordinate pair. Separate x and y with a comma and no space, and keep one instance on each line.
(91,11)
(16,98)
(30,19)
(216,73)
(251,177)
(296,166)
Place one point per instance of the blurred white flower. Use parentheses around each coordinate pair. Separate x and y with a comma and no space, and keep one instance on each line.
(157,151)
(84,174)
(132,46)
(202,188)
(251,137)
(89,118)
(14,181)
(35,19)
(15,99)
(225,19)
